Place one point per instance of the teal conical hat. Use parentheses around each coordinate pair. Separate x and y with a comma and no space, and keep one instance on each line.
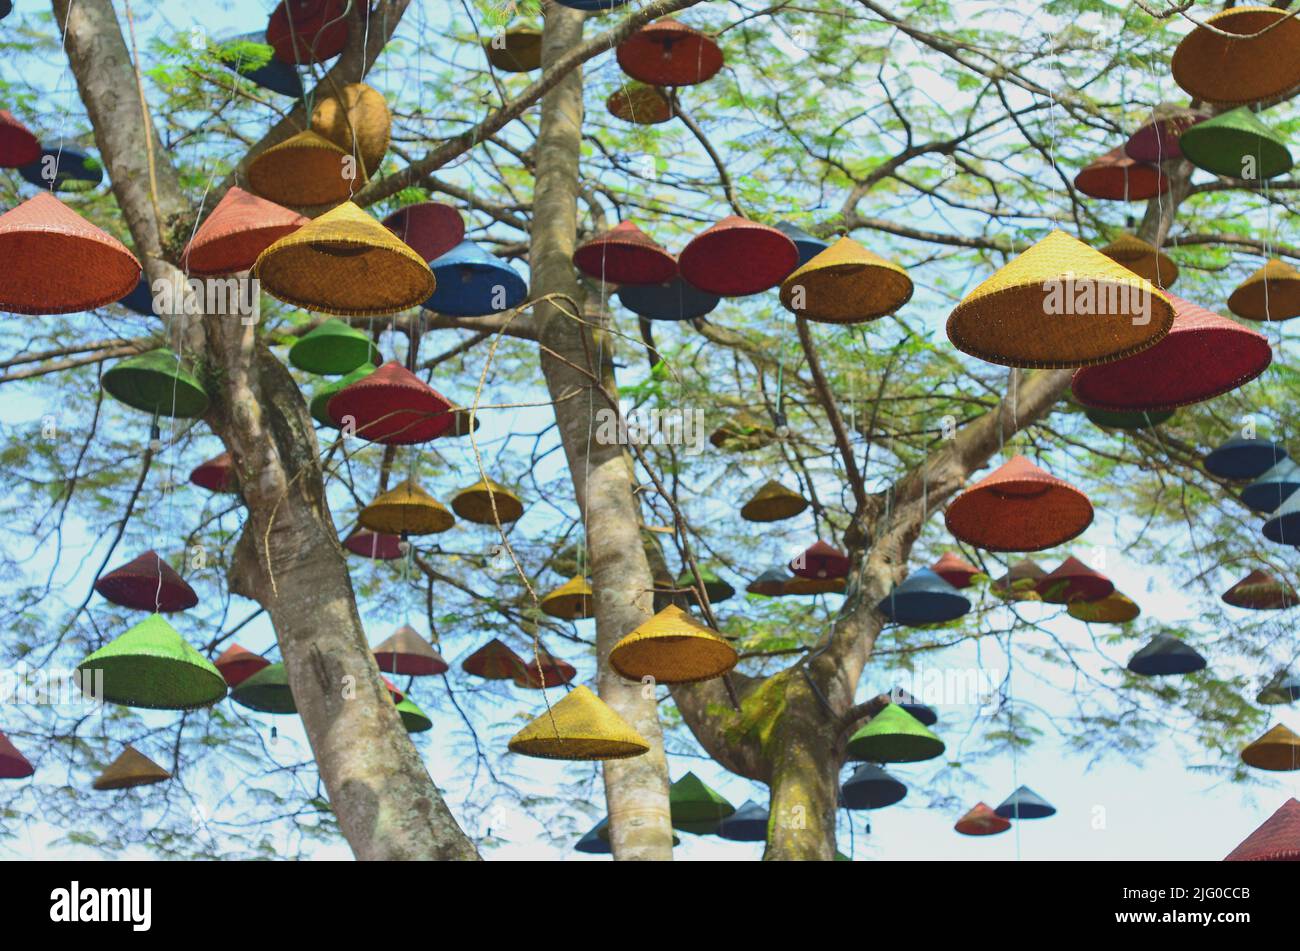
(333,348)
(156,382)
(153,667)
(693,805)
(322,395)
(413,718)
(1230,143)
(894,736)
(267,691)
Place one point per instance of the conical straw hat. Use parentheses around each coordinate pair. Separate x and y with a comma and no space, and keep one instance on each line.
(640,104)
(1020,583)
(217,474)
(345,263)
(405,652)
(1282,687)
(147,583)
(1116,177)
(18,146)
(493,661)
(821,560)
(772,503)
(375,545)
(308,31)
(692,803)
(152,667)
(737,257)
(267,691)
(742,433)
(579,727)
(553,671)
(156,382)
(955,570)
(1240,458)
(870,787)
(304,170)
(1157,141)
(1277,840)
(1165,656)
(1277,750)
(130,769)
(1024,803)
(1018,507)
(431,228)
(625,255)
(520,50)
(333,348)
(413,718)
(240,228)
(474,504)
(393,406)
(1260,591)
(812,586)
(237,664)
(1271,293)
(406,510)
(894,736)
(13,764)
(673,648)
(1222,69)
(1072,580)
(572,600)
(669,53)
(846,284)
(57,262)
(1237,144)
(357,120)
(771,583)
(1115,608)
(982,820)
(1143,259)
(1006,319)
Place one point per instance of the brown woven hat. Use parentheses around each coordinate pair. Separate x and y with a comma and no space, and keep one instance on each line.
(669,53)
(572,600)
(673,648)
(1260,591)
(474,504)
(543,671)
(240,228)
(357,120)
(846,284)
(518,50)
(1020,583)
(304,170)
(955,570)
(807,586)
(1271,293)
(579,727)
(1018,507)
(406,510)
(1143,259)
(132,768)
(57,262)
(1277,840)
(1028,313)
(1072,580)
(1116,177)
(345,263)
(405,652)
(1260,64)
(639,103)
(1277,750)
(772,503)
(493,661)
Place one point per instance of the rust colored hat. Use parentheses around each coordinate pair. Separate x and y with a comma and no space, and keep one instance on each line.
(1018,507)
(304,170)
(147,583)
(846,284)
(1271,293)
(240,228)
(641,104)
(955,569)
(1202,356)
(308,31)
(406,510)
(216,475)
(1277,840)
(669,53)
(57,262)
(553,672)
(130,769)
(475,503)
(493,661)
(405,652)
(1143,259)
(737,257)
(393,406)
(625,255)
(357,120)
(772,503)
(673,648)
(1072,580)
(374,545)
(982,820)
(820,561)
(1277,750)
(1020,583)
(1261,64)
(237,664)
(18,146)
(430,228)
(1260,591)
(1157,141)
(13,764)
(1116,177)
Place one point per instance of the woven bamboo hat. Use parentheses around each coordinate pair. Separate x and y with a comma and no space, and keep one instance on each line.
(1260,591)
(18,146)
(357,120)
(982,820)
(821,560)
(1260,64)
(493,661)
(1020,583)
(393,406)
(13,764)
(955,570)
(894,736)
(473,282)
(737,257)
(771,583)
(321,396)
(1115,608)
(1166,655)
(1143,259)
(130,769)
(266,691)
(1116,177)
(1277,750)
(1018,507)
(406,510)
(772,503)
(1237,144)
(579,727)
(572,600)
(669,53)
(717,588)
(1277,840)
(1024,803)
(237,664)
(151,666)
(674,300)
(923,598)
(375,545)
(1157,141)
(239,229)
(308,31)
(429,227)
(44,243)
(691,802)
(673,648)
(405,652)
(742,433)
(544,671)
(517,50)
(1009,318)
(625,255)
(345,263)
(156,382)
(474,504)
(305,169)
(1072,580)
(216,475)
(147,583)
(333,348)
(640,104)
(1271,293)
(870,787)
(413,718)
(814,586)
(846,284)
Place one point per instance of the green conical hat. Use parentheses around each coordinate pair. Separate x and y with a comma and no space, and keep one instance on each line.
(267,691)
(413,718)
(1125,419)
(694,805)
(322,395)
(894,736)
(1223,145)
(153,667)
(333,348)
(156,382)
(714,587)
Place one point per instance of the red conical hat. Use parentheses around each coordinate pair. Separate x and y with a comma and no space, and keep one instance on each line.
(376,545)
(147,583)
(1018,507)
(240,228)
(216,475)
(625,255)
(494,661)
(820,560)
(308,31)
(237,664)
(1117,177)
(13,764)
(393,406)
(737,257)
(405,652)
(1072,580)
(982,820)
(554,672)
(17,144)
(669,53)
(1277,840)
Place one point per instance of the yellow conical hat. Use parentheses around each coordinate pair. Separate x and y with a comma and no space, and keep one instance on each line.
(406,510)
(1115,608)
(571,600)
(797,585)
(846,284)
(1060,304)
(772,503)
(132,768)
(474,504)
(357,120)
(1143,259)
(302,171)
(673,648)
(1271,293)
(579,727)
(1278,749)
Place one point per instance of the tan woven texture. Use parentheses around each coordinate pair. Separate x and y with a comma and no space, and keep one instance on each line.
(1262,64)
(1277,750)
(406,509)
(1115,608)
(846,284)
(571,600)
(474,504)
(521,52)
(1018,507)
(579,727)
(1271,293)
(132,768)
(806,586)
(1143,259)
(1005,319)
(641,104)
(304,170)
(772,503)
(673,648)
(345,263)
(357,120)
